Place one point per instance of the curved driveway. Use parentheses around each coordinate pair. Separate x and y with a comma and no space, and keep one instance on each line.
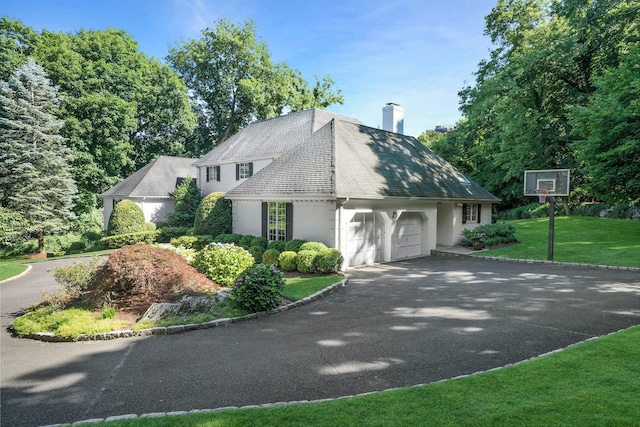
(393,325)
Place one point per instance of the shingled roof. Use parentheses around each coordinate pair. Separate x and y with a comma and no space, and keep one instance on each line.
(157,179)
(347,159)
(268,139)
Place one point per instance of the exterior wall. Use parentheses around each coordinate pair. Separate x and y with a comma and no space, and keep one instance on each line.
(447,222)
(314,221)
(155,210)
(485,218)
(247,217)
(227,177)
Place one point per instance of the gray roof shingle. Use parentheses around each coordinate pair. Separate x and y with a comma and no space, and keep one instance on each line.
(157,179)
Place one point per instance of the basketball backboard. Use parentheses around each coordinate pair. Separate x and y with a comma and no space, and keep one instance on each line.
(553,182)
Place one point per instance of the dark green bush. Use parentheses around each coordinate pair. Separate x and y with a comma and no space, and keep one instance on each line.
(168,233)
(245,241)
(294,245)
(288,261)
(127,217)
(588,209)
(256,252)
(260,241)
(313,246)
(121,240)
(277,245)
(228,238)
(494,234)
(187,198)
(329,261)
(270,257)
(222,262)
(213,216)
(306,261)
(259,288)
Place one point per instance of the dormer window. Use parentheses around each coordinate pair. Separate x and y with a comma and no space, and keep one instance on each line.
(244,170)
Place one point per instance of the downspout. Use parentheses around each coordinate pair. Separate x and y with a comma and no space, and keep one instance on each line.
(346,247)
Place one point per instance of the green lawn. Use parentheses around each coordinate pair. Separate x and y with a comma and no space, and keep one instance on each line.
(596,383)
(10,270)
(581,239)
(297,288)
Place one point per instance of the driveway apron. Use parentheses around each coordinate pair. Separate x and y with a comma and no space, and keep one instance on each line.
(393,325)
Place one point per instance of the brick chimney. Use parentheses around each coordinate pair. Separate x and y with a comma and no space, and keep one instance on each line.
(393,118)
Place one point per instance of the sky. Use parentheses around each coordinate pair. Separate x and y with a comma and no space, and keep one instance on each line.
(416,53)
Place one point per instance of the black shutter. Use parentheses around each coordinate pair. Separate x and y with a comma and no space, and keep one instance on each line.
(479,210)
(251,169)
(207,173)
(289,221)
(265,220)
(237,171)
(464,214)
(218,173)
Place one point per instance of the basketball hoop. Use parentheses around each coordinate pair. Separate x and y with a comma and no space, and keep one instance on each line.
(542,194)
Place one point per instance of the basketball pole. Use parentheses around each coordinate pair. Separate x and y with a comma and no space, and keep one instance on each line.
(552,220)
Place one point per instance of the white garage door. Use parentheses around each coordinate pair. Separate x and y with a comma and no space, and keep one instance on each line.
(365,239)
(409,235)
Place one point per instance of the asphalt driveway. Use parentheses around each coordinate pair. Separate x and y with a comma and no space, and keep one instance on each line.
(393,325)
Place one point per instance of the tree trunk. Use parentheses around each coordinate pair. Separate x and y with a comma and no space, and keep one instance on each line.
(40,242)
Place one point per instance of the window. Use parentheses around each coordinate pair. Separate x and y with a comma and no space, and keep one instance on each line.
(277,220)
(244,170)
(471,213)
(213,173)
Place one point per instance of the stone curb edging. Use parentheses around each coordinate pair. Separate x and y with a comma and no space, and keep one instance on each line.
(169,330)
(533,261)
(298,402)
(24,273)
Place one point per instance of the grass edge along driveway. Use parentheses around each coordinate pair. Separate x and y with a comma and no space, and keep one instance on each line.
(596,382)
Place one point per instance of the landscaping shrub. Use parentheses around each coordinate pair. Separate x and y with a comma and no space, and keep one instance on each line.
(213,216)
(288,261)
(259,288)
(127,217)
(187,199)
(313,246)
(61,244)
(588,209)
(168,233)
(494,234)
(256,252)
(191,242)
(277,245)
(222,262)
(270,257)
(260,241)
(245,241)
(329,261)
(306,261)
(121,240)
(228,238)
(136,276)
(73,279)
(294,245)
(89,225)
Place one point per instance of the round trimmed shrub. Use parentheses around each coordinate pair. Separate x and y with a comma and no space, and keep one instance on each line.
(245,241)
(329,261)
(260,241)
(294,245)
(288,261)
(313,246)
(228,238)
(270,257)
(126,218)
(222,262)
(213,216)
(306,261)
(256,252)
(277,245)
(259,288)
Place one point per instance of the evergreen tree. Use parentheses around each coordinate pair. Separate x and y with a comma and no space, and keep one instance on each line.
(187,197)
(37,177)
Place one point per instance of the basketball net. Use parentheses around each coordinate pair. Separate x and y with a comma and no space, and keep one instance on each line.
(542,194)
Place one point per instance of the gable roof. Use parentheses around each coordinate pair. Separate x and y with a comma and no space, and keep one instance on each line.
(347,159)
(158,179)
(268,139)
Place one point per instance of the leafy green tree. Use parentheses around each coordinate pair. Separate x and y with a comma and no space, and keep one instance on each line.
(187,198)
(37,181)
(234,82)
(431,137)
(13,227)
(16,45)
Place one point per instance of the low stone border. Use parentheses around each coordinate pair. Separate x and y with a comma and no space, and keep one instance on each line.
(533,261)
(169,330)
(298,402)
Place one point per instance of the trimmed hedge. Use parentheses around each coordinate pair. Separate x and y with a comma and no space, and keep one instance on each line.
(168,233)
(294,245)
(191,242)
(228,238)
(222,262)
(126,218)
(329,261)
(121,240)
(213,216)
(494,234)
(277,245)
(260,241)
(245,241)
(306,261)
(270,257)
(256,252)
(288,261)
(313,246)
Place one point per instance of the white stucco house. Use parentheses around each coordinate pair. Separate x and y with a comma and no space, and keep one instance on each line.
(374,194)
(151,188)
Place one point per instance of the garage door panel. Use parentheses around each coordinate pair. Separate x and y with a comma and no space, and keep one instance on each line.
(409,235)
(365,239)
